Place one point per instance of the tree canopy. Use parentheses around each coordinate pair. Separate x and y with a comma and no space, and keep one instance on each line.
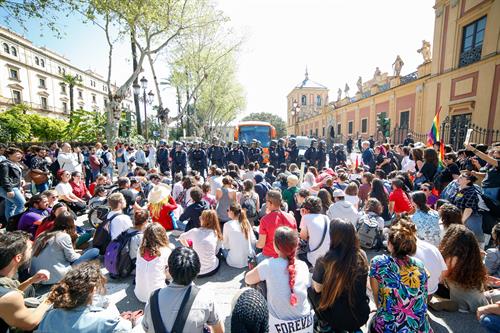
(275,120)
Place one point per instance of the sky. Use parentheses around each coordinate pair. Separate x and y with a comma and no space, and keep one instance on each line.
(336,40)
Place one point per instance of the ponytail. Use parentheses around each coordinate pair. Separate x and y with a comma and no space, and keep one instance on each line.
(291,280)
(286,241)
(245,225)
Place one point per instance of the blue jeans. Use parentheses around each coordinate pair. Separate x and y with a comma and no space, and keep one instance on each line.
(492,193)
(88,255)
(475,224)
(491,323)
(42,187)
(14,205)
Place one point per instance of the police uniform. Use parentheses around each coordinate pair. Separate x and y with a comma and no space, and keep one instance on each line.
(293,154)
(217,156)
(179,162)
(199,161)
(311,156)
(237,157)
(162,158)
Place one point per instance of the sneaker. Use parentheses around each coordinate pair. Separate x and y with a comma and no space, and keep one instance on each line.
(443,305)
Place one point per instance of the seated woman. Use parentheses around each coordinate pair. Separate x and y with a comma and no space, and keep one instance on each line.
(54,249)
(239,239)
(465,279)
(65,193)
(161,206)
(426,220)
(492,257)
(151,266)
(398,280)
(206,241)
(73,309)
(141,221)
(78,186)
(338,292)
(287,280)
(99,197)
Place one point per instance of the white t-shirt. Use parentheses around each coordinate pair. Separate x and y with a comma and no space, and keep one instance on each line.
(177,189)
(69,162)
(433,262)
(274,271)
(249,175)
(315,225)
(239,247)
(206,244)
(119,224)
(64,188)
(215,183)
(407,164)
(150,275)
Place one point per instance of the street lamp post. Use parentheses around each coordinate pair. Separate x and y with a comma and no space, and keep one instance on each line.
(147,98)
(295,113)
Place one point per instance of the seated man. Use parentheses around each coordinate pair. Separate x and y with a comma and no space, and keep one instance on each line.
(183,265)
(193,212)
(32,218)
(15,248)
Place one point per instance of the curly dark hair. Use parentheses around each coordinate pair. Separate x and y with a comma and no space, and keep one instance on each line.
(450,214)
(77,286)
(460,244)
(403,237)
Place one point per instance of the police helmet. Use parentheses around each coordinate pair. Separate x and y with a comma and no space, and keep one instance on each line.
(236,143)
(163,142)
(281,140)
(243,142)
(293,140)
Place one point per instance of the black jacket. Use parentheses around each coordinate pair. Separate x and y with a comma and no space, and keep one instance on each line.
(10,175)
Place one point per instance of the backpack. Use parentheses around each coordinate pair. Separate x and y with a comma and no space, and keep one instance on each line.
(105,159)
(248,204)
(368,232)
(102,236)
(117,259)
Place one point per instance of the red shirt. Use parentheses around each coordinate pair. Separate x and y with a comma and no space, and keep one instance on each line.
(269,224)
(164,219)
(92,188)
(47,225)
(80,190)
(401,202)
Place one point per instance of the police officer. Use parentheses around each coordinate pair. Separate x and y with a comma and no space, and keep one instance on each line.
(349,144)
(273,154)
(199,159)
(332,157)
(372,142)
(162,157)
(281,151)
(245,149)
(321,155)
(236,155)
(216,154)
(255,153)
(293,151)
(341,155)
(179,159)
(311,154)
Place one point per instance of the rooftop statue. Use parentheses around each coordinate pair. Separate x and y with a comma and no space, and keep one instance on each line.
(426,51)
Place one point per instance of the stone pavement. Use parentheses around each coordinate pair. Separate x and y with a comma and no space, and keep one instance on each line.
(228,280)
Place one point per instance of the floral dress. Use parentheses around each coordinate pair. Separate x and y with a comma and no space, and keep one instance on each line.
(402,295)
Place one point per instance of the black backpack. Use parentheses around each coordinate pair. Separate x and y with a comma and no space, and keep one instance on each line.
(248,204)
(13,222)
(102,236)
(104,158)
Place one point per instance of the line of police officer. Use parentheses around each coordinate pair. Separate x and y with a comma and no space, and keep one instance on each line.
(199,156)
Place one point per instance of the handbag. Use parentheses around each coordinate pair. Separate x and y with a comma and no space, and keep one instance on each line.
(180,320)
(38,178)
(304,245)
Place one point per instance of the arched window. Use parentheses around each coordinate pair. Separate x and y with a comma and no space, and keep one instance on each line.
(42,62)
(318,100)
(37,61)
(13,51)
(6,48)
(303,100)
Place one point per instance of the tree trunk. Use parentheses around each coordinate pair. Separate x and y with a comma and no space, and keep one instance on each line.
(71,102)
(136,82)
(114,113)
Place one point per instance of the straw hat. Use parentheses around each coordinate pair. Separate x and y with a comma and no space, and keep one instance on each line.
(159,193)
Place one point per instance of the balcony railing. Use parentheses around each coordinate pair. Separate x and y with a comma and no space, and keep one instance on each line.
(408,78)
(470,56)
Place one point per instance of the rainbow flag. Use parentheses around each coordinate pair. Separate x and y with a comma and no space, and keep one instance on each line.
(432,138)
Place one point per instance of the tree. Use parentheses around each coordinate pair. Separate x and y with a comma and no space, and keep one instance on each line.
(153,25)
(45,128)
(72,81)
(14,124)
(275,120)
(86,126)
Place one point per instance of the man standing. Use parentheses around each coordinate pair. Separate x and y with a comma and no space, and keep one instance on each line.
(311,154)
(122,159)
(236,156)
(179,160)
(368,156)
(349,144)
(162,157)
(293,151)
(372,142)
(199,159)
(245,149)
(40,167)
(321,153)
(16,254)
(216,154)
(254,152)
(273,156)
(107,162)
(409,140)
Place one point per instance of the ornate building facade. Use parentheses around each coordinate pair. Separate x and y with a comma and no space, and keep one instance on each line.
(34,76)
(462,77)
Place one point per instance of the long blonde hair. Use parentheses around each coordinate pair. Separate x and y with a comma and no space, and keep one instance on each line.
(155,208)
